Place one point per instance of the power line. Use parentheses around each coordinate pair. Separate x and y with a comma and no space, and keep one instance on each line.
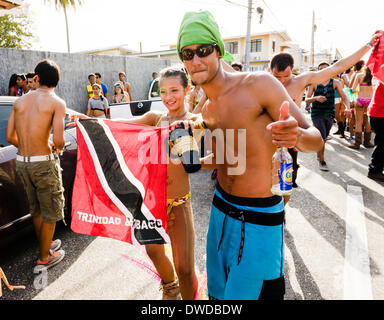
(277,20)
(237,4)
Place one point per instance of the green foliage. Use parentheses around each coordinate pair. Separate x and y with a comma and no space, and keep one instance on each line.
(15,31)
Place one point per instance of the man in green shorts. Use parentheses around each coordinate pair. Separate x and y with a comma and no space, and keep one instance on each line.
(33,118)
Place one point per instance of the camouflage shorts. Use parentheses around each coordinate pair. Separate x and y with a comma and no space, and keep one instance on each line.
(43,185)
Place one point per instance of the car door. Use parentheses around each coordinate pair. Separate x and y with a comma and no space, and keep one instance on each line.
(13,199)
(14,206)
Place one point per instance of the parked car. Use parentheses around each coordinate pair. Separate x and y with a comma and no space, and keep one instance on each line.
(14,206)
(135,108)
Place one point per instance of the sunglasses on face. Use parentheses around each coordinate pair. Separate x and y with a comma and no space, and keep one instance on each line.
(201,51)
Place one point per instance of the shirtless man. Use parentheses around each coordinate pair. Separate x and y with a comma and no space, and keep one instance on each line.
(244,250)
(31,121)
(281,67)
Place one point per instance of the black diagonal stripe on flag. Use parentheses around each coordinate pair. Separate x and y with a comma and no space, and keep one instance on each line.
(118,182)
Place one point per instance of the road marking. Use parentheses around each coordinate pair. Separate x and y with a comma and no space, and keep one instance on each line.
(357,276)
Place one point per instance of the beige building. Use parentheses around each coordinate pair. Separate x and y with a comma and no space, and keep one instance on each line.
(169,54)
(263,47)
(122,50)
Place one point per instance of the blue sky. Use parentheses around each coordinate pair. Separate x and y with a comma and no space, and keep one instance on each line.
(345,24)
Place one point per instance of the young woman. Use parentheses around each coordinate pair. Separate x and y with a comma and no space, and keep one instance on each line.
(120,95)
(21,82)
(12,86)
(98,104)
(350,119)
(362,85)
(173,91)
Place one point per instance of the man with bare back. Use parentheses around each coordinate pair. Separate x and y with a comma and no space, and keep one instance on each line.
(33,118)
(245,241)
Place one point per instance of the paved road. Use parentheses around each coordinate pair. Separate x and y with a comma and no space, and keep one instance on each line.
(334,242)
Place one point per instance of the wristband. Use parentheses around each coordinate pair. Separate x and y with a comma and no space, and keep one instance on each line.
(369,45)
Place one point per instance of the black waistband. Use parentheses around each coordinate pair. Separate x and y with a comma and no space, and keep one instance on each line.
(249,202)
(260,218)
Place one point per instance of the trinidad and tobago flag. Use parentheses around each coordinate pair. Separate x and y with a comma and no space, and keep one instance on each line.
(120,184)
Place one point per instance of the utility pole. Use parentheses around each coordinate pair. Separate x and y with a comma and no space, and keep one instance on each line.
(313,40)
(248,38)
(67,29)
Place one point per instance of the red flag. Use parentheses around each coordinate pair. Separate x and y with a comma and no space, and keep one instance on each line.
(120,184)
(376,60)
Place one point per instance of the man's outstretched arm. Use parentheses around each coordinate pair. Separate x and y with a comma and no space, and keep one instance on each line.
(317,77)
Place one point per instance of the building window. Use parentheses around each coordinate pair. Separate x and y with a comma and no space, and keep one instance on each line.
(258,67)
(256,45)
(232,47)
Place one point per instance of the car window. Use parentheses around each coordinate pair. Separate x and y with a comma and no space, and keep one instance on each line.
(5,111)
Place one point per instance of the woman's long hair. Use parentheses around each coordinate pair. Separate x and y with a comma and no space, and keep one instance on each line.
(367,76)
(12,81)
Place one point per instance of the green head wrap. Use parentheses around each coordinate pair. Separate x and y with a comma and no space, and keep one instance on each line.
(199,28)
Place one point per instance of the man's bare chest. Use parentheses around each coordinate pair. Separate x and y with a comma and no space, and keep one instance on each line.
(232,115)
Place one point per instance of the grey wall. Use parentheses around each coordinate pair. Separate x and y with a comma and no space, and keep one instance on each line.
(75,69)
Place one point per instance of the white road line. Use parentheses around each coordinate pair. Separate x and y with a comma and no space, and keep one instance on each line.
(357,277)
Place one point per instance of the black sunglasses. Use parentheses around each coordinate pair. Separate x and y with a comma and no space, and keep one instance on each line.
(201,51)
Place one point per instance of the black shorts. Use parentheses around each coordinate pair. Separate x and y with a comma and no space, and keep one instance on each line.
(324,125)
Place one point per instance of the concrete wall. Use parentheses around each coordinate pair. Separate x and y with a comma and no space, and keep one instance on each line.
(75,69)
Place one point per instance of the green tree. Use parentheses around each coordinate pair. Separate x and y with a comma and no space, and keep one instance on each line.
(64,4)
(15,31)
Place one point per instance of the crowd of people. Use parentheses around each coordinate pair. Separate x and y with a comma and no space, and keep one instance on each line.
(245,240)
(21,84)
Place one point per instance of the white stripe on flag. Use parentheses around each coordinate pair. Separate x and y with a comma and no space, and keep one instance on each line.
(103,181)
(137,183)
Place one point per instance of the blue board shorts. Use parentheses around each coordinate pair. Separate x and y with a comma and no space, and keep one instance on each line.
(245,248)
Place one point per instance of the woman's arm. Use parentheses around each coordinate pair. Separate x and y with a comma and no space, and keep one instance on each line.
(345,80)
